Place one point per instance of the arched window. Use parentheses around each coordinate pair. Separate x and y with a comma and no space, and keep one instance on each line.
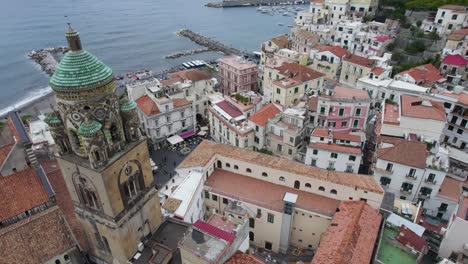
(307,185)
(106,244)
(236,167)
(251,236)
(220,165)
(264,174)
(297,185)
(74,140)
(321,188)
(130,181)
(333,191)
(130,188)
(115,134)
(282,179)
(248,170)
(66,257)
(228,165)
(57,261)
(86,192)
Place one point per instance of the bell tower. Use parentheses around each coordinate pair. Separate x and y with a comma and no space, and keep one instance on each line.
(102,155)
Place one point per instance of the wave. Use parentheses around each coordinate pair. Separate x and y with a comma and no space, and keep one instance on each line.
(27,100)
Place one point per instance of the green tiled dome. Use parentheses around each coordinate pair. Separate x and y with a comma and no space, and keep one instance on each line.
(79,70)
(127,105)
(89,128)
(53,119)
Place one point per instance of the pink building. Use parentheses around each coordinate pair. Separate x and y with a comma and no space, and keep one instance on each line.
(236,74)
(342,109)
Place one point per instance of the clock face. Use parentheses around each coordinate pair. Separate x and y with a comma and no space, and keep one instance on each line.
(116,105)
(128,169)
(75,116)
(100,113)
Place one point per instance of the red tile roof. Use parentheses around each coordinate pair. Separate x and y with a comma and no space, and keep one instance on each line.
(377,71)
(20,192)
(214,231)
(411,153)
(411,239)
(359,60)
(462,98)
(313,102)
(262,116)
(458,35)
(463,208)
(336,147)
(266,194)
(418,108)
(346,93)
(336,50)
(427,73)
(4,152)
(281,41)
(456,60)
(391,114)
(37,239)
(229,109)
(298,72)
(242,258)
(382,38)
(351,236)
(147,106)
(453,7)
(192,75)
(207,150)
(450,189)
(322,132)
(179,102)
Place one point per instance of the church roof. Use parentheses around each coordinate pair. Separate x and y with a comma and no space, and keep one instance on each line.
(53,119)
(79,70)
(89,127)
(127,105)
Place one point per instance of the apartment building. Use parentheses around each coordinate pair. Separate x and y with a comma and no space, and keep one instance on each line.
(426,75)
(162,114)
(334,151)
(270,47)
(228,119)
(285,133)
(287,82)
(447,19)
(355,67)
(303,41)
(328,60)
(445,202)
(292,56)
(259,121)
(457,43)
(413,115)
(342,109)
(454,68)
(408,170)
(286,203)
(455,132)
(235,74)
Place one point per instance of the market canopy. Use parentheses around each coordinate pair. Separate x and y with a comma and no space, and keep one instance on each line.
(187,134)
(202,133)
(175,140)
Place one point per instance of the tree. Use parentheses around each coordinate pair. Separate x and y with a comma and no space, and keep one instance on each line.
(416,47)
(419,23)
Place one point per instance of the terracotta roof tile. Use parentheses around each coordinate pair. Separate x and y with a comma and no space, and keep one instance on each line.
(313,102)
(458,35)
(453,7)
(179,102)
(229,109)
(359,60)
(346,93)
(462,98)
(206,150)
(298,72)
(418,108)
(37,239)
(450,189)
(262,116)
(427,73)
(456,60)
(336,50)
(411,153)
(378,70)
(305,34)
(281,41)
(242,258)
(192,75)
(4,152)
(20,192)
(391,114)
(266,194)
(351,236)
(147,106)
(336,147)
(213,230)
(322,132)
(411,239)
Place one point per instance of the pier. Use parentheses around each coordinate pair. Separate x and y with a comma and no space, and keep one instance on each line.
(186,53)
(48,58)
(244,3)
(211,44)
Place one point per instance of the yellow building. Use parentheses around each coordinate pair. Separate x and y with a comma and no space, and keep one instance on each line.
(102,156)
(355,67)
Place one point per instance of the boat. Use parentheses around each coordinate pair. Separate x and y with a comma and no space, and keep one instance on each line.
(280,24)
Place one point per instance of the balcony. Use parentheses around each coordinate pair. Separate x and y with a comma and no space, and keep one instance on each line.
(433,181)
(383,171)
(424,195)
(442,210)
(330,168)
(409,176)
(406,191)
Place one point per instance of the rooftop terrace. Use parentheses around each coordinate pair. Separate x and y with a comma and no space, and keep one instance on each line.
(390,253)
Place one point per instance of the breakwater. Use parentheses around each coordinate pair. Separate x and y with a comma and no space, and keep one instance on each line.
(186,53)
(243,3)
(207,42)
(48,58)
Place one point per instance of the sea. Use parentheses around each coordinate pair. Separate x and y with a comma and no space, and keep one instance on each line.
(127,35)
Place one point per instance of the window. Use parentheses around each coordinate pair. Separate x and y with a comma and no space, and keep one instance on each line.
(454,17)
(248,170)
(264,174)
(460,131)
(268,245)
(183,123)
(344,124)
(236,167)
(431,177)
(315,151)
(349,168)
(341,112)
(425,191)
(278,91)
(282,179)
(225,201)
(289,151)
(355,123)
(450,128)
(334,155)
(307,185)
(389,167)
(57,261)
(271,218)
(251,223)
(331,124)
(156,122)
(352,158)
(297,185)
(207,194)
(412,172)
(168,118)
(322,110)
(251,236)
(296,90)
(333,191)
(358,112)
(406,187)
(228,165)
(313,163)
(384,181)
(463,123)
(279,147)
(182,114)
(214,197)
(321,188)
(106,244)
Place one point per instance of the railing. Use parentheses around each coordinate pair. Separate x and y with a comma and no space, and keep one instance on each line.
(410,176)
(383,171)
(442,209)
(330,168)
(430,181)
(406,191)
(424,195)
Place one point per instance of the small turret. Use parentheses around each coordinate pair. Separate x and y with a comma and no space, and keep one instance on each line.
(73,39)
(130,120)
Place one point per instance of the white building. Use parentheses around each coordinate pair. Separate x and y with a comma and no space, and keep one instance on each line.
(406,169)
(259,121)
(334,151)
(161,110)
(447,19)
